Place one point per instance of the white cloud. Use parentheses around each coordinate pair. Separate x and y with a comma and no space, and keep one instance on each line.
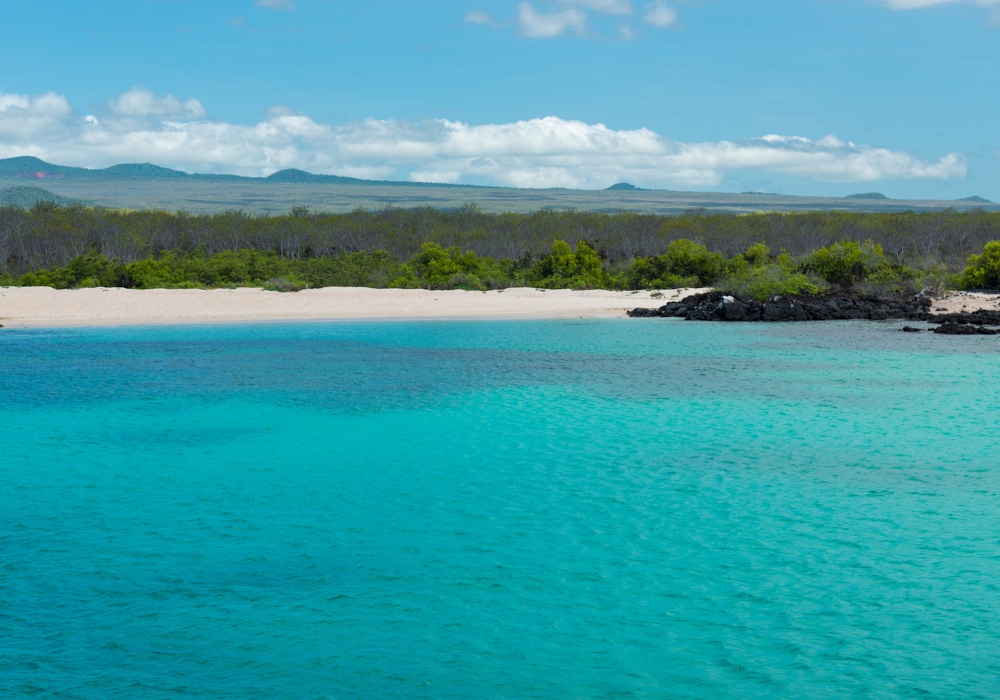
(574,16)
(549,152)
(480,17)
(604,7)
(539,25)
(659,14)
(285,5)
(140,102)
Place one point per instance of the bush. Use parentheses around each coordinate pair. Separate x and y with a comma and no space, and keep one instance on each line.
(685,264)
(983,270)
(566,268)
(82,271)
(283,284)
(764,282)
(890,279)
(847,262)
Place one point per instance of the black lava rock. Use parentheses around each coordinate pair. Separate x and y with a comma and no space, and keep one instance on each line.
(964,329)
(716,306)
(982,317)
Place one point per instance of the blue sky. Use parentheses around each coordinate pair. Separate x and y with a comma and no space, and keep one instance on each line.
(548,93)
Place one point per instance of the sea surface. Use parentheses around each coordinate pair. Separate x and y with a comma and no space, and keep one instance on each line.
(642,508)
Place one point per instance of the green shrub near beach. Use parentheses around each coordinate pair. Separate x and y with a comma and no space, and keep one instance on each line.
(755,273)
(848,262)
(685,264)
(983,271)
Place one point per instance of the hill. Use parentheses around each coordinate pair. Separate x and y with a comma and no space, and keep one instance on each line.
(867,195)
(147,186)
(27,197)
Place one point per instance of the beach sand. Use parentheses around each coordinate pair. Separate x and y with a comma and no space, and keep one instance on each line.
(966,302)
(43,306)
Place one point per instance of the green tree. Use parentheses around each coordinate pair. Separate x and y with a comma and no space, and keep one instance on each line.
(983,270)
(685,264)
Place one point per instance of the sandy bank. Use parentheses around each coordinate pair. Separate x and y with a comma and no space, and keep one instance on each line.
(966,302)
(43,306)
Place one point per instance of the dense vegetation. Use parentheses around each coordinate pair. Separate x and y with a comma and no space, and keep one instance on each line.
(753,255)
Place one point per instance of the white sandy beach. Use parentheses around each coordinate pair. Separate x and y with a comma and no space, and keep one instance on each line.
(43,306)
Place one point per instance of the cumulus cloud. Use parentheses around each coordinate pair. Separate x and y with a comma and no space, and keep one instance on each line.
(140,102)
(659,14)
(541,25)
(286,5)
(548,152)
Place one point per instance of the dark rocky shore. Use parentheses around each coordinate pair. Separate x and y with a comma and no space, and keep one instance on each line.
(832,306)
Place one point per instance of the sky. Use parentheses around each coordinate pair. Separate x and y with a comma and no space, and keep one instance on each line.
(811,97)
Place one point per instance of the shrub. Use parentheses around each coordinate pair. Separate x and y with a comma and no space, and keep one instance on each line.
(766,281)
(983,270)
(449,268)
(685,264)
(82,271)
(566,268)
(847,262)
(283,284)
(890,279)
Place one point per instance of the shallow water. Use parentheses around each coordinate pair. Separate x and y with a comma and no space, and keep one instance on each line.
(571,509)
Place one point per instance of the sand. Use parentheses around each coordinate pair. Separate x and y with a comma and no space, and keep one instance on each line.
(966,302)
(43,306)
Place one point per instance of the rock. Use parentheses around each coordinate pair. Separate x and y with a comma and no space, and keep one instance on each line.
(982,317)
(715,306)
(644,313)
(964,329)
(910,329)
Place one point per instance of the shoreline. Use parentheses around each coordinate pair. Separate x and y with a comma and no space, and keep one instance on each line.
(44,307)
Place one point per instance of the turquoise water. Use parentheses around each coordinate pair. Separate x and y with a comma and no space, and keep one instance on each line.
(590,509)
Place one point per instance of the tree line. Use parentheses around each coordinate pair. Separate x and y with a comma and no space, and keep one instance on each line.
(50,235)
(67,246)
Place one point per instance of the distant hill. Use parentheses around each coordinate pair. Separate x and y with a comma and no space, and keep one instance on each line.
(974,198)
(27,197)
(147,186)
(295,175)
(31,168)
(867,195)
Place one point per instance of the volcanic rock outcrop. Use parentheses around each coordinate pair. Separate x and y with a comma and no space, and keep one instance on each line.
(716,306)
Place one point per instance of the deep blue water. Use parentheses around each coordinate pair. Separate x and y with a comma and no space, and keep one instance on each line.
(589,509)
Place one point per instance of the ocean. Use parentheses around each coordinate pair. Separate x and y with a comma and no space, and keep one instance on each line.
(632,508)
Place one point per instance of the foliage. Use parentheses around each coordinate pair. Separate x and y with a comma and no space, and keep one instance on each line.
(48,236)
(82,271)
(983,270)
(571,268)
(685,264)
(753,275)
(438,268)
(764,282)
(848,262)
(466,248)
